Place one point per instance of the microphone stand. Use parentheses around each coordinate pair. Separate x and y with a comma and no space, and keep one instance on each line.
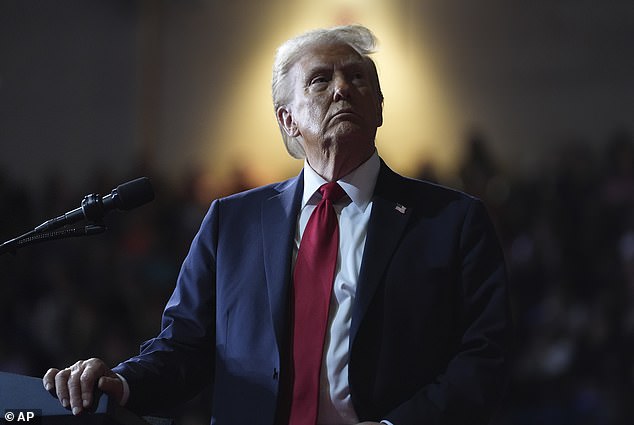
(35,236)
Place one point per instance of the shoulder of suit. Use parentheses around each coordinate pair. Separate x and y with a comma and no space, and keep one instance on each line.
(422,190)
(261,192)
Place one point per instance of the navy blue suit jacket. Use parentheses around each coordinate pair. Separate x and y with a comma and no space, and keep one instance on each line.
(430,323)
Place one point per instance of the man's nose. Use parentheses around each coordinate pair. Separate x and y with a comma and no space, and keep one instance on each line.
(341,89)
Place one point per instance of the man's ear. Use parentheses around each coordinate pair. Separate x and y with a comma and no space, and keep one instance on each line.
(285,120)
(379,112)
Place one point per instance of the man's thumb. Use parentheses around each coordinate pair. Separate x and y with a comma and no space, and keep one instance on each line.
(111,386)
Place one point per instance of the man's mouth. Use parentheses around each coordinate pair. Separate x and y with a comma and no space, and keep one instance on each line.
(344,113)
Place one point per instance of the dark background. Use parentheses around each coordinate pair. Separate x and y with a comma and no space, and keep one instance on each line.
(93,93)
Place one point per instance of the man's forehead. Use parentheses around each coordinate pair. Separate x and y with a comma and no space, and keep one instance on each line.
(326,55)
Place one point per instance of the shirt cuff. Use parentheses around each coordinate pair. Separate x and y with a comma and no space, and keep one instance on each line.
(126,391)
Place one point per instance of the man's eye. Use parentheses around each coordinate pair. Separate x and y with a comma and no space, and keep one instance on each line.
(358,76)
(318,80)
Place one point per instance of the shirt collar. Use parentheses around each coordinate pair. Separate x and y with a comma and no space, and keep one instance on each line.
(358,184)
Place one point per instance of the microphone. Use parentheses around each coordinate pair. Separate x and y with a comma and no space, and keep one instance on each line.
(93,207)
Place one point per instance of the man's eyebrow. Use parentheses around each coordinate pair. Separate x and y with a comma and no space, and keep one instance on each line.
(355,66)
(348,65)
(318,69)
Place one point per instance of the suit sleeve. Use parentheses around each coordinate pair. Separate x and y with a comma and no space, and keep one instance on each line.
(176,364)
(474,381)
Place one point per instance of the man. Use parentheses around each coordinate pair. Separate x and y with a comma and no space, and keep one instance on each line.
(415,328)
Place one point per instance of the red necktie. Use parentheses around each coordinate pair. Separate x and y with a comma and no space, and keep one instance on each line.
(312,286)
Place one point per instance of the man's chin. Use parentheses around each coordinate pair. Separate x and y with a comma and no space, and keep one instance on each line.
(358,140)
(348,128)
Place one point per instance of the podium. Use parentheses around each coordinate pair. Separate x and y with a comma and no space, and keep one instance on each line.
(20,393)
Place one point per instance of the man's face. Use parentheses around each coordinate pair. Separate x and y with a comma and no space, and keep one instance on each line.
(334,108)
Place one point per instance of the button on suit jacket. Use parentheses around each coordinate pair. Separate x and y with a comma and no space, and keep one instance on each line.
(430,323)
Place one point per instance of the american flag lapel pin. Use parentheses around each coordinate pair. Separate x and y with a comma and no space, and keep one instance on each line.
(400,208)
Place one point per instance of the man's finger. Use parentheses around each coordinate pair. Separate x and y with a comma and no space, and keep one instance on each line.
(61,387)
(74,388)
(90,374)
(49,379)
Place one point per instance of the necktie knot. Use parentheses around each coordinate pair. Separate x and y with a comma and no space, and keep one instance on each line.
(331,191)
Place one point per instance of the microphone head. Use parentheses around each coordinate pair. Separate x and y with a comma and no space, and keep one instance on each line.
(133,194)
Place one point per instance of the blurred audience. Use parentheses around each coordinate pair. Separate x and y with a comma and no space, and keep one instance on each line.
(568,234)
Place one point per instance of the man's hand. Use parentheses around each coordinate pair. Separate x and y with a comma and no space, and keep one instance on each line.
(75,385)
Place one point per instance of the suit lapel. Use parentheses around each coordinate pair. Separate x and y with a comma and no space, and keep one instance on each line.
(279,214)
(387,223)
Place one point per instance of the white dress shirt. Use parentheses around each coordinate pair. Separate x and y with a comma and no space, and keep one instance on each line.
(353,212)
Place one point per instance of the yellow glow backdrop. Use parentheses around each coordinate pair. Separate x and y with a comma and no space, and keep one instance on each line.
(418,125)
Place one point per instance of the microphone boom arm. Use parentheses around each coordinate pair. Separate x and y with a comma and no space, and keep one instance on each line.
(34,237)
